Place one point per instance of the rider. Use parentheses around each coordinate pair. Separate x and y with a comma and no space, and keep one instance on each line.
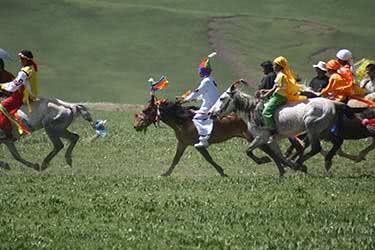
(338,88)
(269,76)
(5,76)
(368,83)
(209,93)
(347,70)
(320,81)
(23,88)
(285,90)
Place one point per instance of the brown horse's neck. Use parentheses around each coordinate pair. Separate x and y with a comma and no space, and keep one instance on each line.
(170,122)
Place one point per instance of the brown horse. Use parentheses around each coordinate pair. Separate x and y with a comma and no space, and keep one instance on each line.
(179,118)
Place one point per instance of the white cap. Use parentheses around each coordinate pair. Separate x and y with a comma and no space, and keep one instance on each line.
(151,80)
(321,65)
(344,54)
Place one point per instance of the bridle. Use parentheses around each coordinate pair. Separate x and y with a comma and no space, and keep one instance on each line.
(154,119)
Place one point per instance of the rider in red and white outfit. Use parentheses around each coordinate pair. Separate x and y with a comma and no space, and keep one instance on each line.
(209,93)
(22,90)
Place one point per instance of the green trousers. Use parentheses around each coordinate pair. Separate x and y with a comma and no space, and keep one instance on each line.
(270,106)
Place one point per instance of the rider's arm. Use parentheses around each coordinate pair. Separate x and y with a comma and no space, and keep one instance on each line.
(197,92)
(270,91)
(331,86)
(16,83)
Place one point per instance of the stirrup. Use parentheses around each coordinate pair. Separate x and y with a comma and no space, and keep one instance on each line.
(201,144)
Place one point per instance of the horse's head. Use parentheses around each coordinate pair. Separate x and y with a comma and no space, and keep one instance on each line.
(148,116)
(225,104)
(84,112)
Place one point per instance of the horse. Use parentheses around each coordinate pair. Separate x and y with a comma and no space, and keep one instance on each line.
(350,129)
(315,116)
(55,116)
(179,118)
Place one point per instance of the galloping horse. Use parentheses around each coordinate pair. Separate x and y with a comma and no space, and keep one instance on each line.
(55,116)
(315,116)
(179,118)
(350,129)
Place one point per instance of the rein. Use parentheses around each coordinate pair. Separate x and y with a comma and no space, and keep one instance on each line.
(368,102)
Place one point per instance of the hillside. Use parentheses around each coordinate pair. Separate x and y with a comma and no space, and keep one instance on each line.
(106,50)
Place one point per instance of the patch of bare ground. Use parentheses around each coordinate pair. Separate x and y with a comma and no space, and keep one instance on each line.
(116,107)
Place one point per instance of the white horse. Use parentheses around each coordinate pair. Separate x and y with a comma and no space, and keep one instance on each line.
(314,116)
(55,116)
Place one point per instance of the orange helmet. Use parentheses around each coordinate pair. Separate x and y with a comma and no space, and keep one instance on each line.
(333,65)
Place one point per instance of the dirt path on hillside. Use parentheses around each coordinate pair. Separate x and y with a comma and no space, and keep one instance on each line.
(231,55)
(226,51)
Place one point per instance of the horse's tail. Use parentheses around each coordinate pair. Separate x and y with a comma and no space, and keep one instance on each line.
(344,109)
(78,109)
(349,112)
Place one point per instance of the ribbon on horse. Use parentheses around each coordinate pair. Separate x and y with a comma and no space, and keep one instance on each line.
(368,102)
(20,128)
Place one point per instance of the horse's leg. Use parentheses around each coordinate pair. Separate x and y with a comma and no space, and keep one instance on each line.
(4,165)
(315,149)
(295,143)
(258,160)
(73,139)
(180,149)
(208,158)
(337,142)
(55,125)
(275,152)
(276,158)
(57,147)
(13,150)
(361,155)
(256,143)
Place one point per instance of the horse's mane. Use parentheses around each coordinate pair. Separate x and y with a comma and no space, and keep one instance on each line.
(250,105)
(176,111)
(244,102)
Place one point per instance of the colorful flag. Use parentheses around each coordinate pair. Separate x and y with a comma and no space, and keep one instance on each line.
(158,85)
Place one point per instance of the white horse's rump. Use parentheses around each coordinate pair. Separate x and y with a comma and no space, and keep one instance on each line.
(55,116)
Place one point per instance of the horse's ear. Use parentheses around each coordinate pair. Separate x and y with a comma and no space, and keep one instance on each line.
(153,99)
(244,82)
(136,116)
(235,86)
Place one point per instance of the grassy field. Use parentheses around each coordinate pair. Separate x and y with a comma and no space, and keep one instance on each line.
(106,50)
(112,198)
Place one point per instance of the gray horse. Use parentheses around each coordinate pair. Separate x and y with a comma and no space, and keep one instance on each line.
(55,116)
(314,116)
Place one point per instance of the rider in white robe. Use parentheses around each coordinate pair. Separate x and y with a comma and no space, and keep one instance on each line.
(208,92)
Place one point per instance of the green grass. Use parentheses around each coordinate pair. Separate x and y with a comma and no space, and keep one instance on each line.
(112,198)
(106,50)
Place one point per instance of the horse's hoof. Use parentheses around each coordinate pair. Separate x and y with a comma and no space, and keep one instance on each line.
(281,172)
(304,169)
(37,167)
(328,174)
(69,161)
(165,175)
(43,167)
(5,166)
(224,175)
(328,165)
(265,160)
